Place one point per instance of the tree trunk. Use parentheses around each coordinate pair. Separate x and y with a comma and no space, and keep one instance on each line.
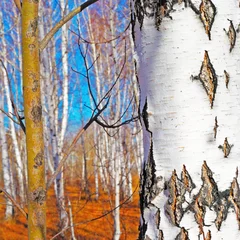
(5,160)
(191,128)
(33,120)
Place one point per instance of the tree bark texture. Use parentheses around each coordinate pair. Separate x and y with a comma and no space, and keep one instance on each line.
(33,120)
(188,57)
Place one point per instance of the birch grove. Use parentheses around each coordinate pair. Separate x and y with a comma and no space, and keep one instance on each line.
(50,59)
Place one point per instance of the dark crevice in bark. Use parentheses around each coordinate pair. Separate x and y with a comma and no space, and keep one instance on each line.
(183,235)
(139,89)
(208,197)
(208,78)
(147,180)
(163,8)
(231,33)
(148,191)
(145,116)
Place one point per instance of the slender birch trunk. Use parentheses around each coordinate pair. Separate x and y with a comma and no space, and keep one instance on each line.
(33,121)
(19,161)
(189,79)
(5,161)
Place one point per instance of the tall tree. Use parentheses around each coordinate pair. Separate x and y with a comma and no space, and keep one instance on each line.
(5,160)
(33,111)
(188,54)
(33,120)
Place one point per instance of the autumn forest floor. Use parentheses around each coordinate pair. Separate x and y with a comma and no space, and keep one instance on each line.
(93,219)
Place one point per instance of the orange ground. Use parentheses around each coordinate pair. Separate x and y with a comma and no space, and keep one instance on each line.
(83,210)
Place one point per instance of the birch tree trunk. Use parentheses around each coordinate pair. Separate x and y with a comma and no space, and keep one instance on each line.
(6,87)
(5,160)
(33,120)
(189,180)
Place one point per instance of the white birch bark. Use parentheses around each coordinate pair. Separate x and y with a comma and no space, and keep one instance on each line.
(5,160)
(179,124)
(62,130)
(97,132)
(19,162)
(71,220)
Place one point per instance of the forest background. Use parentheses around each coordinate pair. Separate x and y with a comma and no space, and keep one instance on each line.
(87,68)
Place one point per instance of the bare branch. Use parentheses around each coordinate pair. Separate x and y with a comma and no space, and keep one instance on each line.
(9,116)
(84,56)
(64,20)
(106,40)
(20,122)
(79,134)
(14,202)
(18,5)
(133,119)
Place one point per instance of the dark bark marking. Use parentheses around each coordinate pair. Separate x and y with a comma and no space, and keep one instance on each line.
(153,9)
(31,47)
(187,180)
(209,235)
(145,116)
(215,127)
(208,78)
(139,12)
(231,33)
(199,214)
(39,196)
(183,235)
(35,80)
(32,28)
(38,160)
(234,199)
(207,14)
(173,208)
(208,193)
(226,147)
(148,191)
(221,209)
(36,113)
(161,236)
(227,78)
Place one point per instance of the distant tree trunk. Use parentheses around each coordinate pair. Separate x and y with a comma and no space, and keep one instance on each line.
(6,86)
(5,160)
(85,169)
(71,220)
(62,130)
(33,121)
(189,182)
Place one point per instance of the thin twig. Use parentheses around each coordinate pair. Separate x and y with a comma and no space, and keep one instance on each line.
(9,116)
(64,20)
(106,40)
(14,202)
(18,5)
(20,122)
(133,119)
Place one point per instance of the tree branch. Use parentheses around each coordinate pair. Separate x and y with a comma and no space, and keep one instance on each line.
(14,202)
(18,5)
(79,134)
(64,20)
(12,101)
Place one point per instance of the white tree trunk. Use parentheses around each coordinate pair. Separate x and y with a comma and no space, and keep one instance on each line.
(179,121)
(5,160)
(19,162)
